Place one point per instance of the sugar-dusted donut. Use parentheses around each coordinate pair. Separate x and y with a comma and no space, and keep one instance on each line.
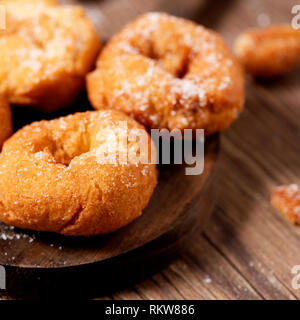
(169,72)
(46,51)
(287,200)
(269,52)
(60,175)
(5,121)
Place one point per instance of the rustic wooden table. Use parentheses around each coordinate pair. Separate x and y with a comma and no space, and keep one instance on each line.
(248,249)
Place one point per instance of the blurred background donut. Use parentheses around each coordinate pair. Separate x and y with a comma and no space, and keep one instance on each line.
(269,52)
(45,53)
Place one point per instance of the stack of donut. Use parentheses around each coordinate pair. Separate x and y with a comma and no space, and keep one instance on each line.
(162,71)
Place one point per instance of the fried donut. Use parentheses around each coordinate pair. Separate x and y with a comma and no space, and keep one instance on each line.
(269,52)
(5,120)
(287,200)
(46,51)
(168,72)
(53,176)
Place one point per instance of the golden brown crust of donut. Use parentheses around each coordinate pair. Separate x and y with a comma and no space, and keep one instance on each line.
(45,53)
(52,177)
(5,121)
(287,200)
(269,52)
(168,72)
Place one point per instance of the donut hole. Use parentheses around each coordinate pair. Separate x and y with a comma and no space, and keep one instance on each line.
(167,55)
(64,154)
(181,73)
(63,150)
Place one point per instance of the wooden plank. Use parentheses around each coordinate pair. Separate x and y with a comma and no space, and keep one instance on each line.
(201,273)
(260,151)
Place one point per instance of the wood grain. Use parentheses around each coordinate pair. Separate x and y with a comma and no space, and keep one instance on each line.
(248,249)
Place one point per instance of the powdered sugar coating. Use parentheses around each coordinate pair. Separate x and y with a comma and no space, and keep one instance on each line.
(168,72)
